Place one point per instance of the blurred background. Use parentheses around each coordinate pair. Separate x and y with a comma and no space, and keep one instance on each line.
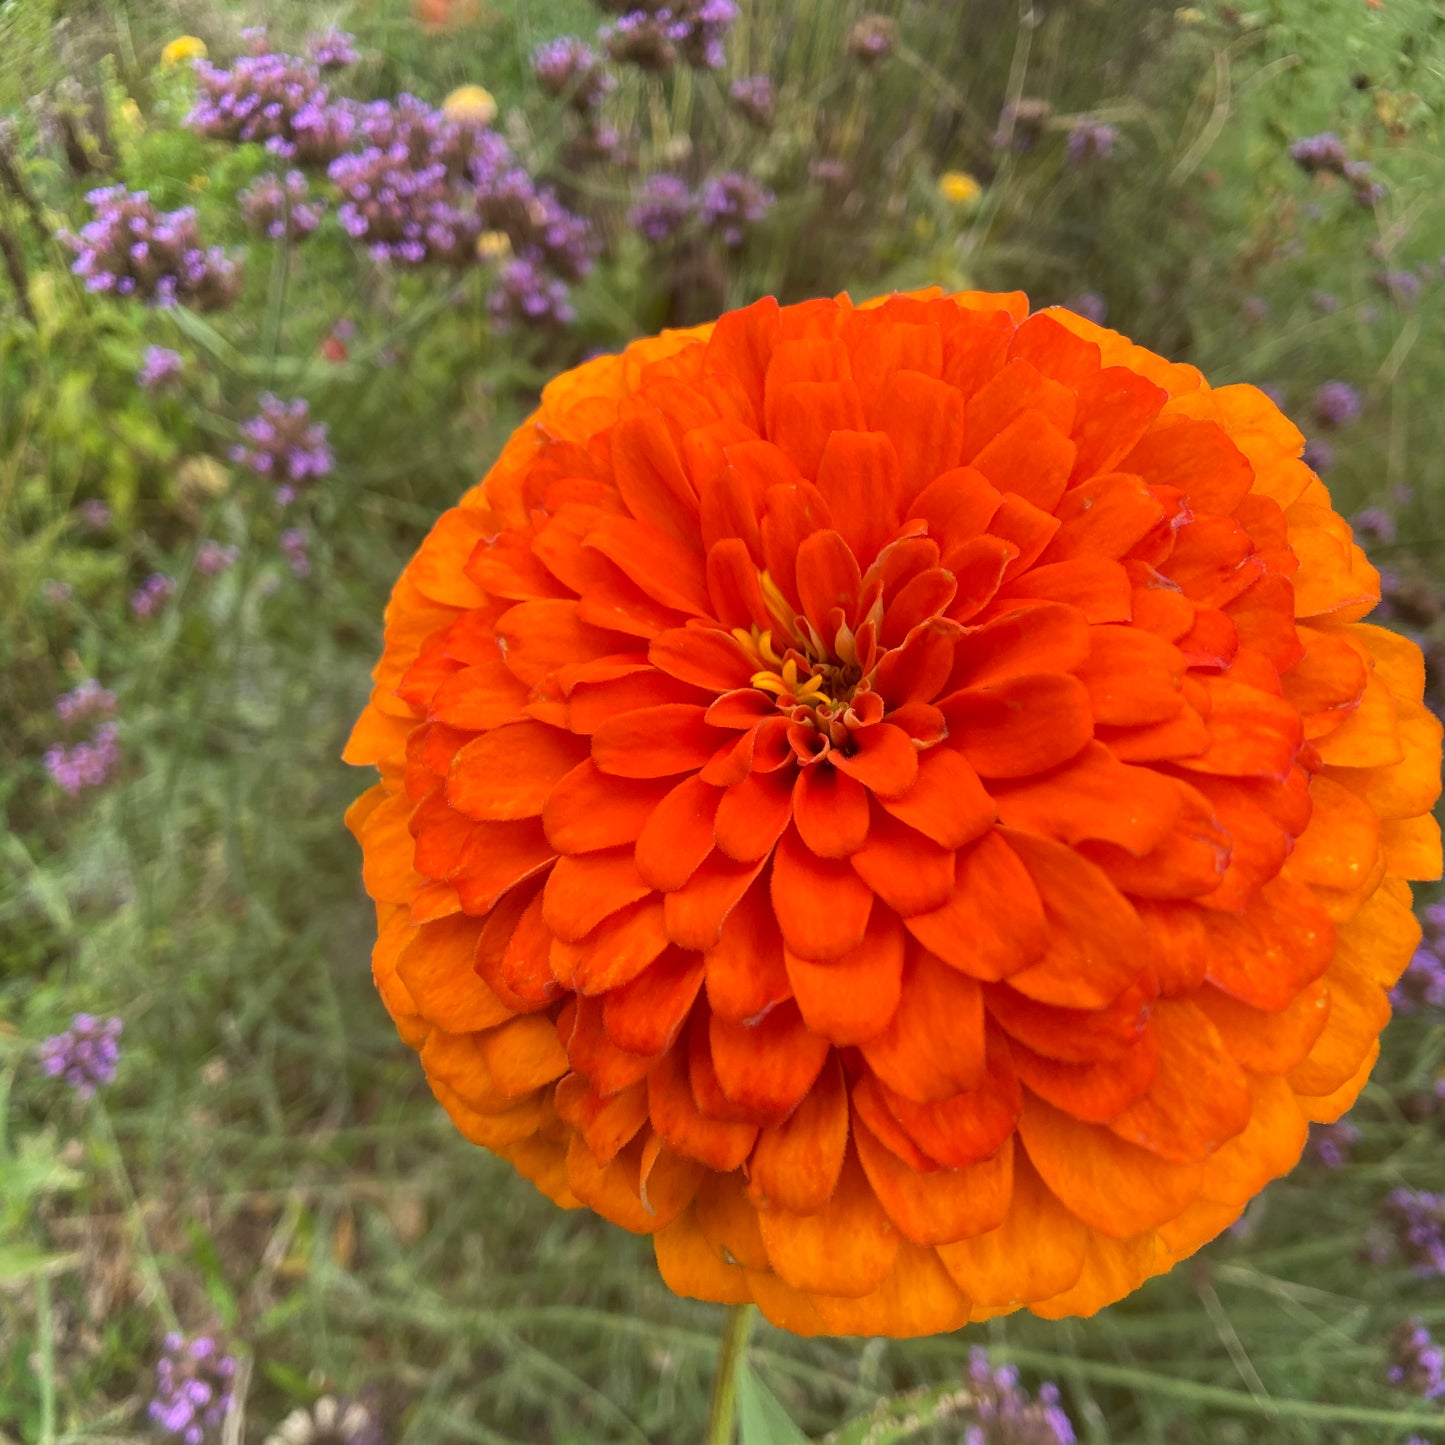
(276,281)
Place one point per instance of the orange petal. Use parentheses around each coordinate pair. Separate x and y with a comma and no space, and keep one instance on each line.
(845,1248)
(702,657)
(939,1206)
(607,1122)
(678,835)
(993,925)
(477,698)
(591,703)
(1031,458)
(766,1067)
(1359,1009)
(656,742)
(1095,1093)
(830,810)
(924,419)
(615,1190)
(946,803)
(1251,733)
(909,872)
(1267,1043)
(584,890)
(1113,1186)
(692,1268)
(498,856)
(523,1054)
(745,970)
(537,638)
(1031,638)
(1023,726)
(851,999)
(617,950)
(510,772)
(1280,943)
(1269,1147)
(591,1053)
(676,1117)
(858,475)
(647,1014)
(753,814)
(1198,458)
(797,1163)
(1072,1036)
(1037,1251)
(809,413)
(1112,1269)
(821,905)
(1199,1096)
(881,757)
(1095,945)
(649,474)
(1116,406)
(1105,516)
(668,570)
(728,1219)
(696,912)
(933,1046)
(589,810)
(436,967)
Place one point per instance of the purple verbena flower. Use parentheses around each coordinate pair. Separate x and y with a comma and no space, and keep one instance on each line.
(1337,403)
(86,1054)
(159,364)
(294,548)
(132,250)
(1418,1219)
(1000,1411)
(1089,140)
(95,514)
(1323,152)
(212,558)
(755,97)
(653,37)
(284,445)
(151,594)
(193,1388)
(1318,456)
(1373,524)
(1332,1144)
(662,208)
(281,207)
(872,38)
(333,50)
(1417,1363)
(566,67)
(1402,287)
(1422,985)
(731,202)
(1368,188)
(526,296)
(84,702)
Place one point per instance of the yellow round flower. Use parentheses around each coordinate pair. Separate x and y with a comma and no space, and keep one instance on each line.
(183,48)
(470,102)
(959,188)
(494,245)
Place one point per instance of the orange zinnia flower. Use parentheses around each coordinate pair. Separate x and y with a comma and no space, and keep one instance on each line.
(897,803)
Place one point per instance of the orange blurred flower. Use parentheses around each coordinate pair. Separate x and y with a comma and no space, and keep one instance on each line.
(898,803)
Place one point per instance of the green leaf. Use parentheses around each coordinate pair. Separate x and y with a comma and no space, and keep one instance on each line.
(19,1262)
(761,1417)
(902,1417)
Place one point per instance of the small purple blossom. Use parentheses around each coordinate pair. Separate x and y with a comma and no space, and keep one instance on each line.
(653,37)
(1091,305)
(84,702)
(159,365)
(294,548)
(1373,524)
(133,250)
(1001,1412)
(1089,140)
(1337,403)
(1368,188)
(1402,287)
(1323,152)
(526,296)
(872,38)
(756,98)
(662,208)
(567,67)
(212,558)
(1418,1219)
(333,50)
(154,592)
(95,514)
(85,1055)
(1332,1144)
(281,207)
(283,444)
(1417,1363)
(193,1388)
(87,764)
(730,203)
(1422,985)
(1325,302)
(1318,456)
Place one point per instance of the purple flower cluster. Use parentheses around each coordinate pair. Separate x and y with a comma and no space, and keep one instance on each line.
(1003,1413)
(525,295)
(1417,1363)
(212,558)
(755,98)
(85,1055)
(1422,985)
(156,590)
(1325,154)
(1337,403)
(569,68)
(333,50)
(84,702)
(1402,287)
(275,100)
(1332,1144)
(872,38)
(159,365)
(193,1388)
(283,444)
(1373,524)
(84,765)
(1418,1219)
(662,208)
(731,202)
(132,249)
(1318,456)
(1088,141)
(654,37)
(281,206)
(294,548)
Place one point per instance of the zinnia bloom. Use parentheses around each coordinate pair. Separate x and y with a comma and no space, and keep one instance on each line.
(897,803)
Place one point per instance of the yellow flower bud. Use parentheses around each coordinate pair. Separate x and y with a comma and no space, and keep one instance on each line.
(959,188)
(494,245)
(183,48)
(470,102)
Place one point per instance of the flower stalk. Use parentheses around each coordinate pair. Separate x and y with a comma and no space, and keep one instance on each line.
(723,1409)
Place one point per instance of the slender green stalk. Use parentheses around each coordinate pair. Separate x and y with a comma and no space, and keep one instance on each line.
(725,1383)
(45,1326)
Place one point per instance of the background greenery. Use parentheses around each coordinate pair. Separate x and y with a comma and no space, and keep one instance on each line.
(269,1163)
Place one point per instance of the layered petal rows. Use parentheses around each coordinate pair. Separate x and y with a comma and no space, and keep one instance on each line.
(899,804)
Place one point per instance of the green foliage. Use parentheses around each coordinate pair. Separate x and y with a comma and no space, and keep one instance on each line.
(268,1161)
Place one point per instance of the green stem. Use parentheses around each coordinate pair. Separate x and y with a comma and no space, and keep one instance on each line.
(725,1383)
(45,1326)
